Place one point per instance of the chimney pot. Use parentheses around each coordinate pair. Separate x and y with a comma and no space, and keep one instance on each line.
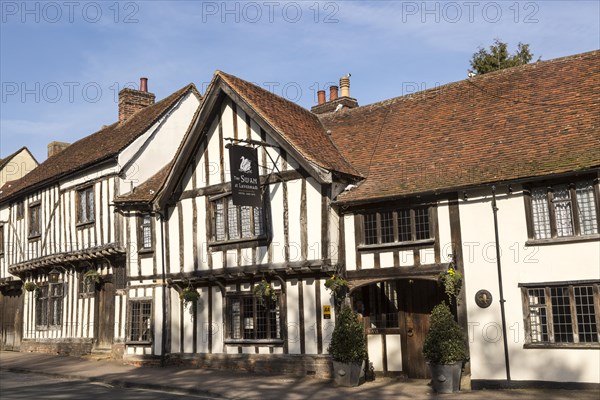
(321,97)
(333,93)
(144,85)
(345,86)
(132,101)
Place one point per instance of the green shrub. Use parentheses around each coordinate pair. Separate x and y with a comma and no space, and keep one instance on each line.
(445,341)
(348,340)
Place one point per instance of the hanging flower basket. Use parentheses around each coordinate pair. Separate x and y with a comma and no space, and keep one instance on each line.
(92,276)
(451,280)
(189,295)
(30,286)
(265,292)
(338,287)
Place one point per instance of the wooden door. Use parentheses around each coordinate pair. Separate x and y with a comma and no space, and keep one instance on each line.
(11,319)
(105,315)
(420,298)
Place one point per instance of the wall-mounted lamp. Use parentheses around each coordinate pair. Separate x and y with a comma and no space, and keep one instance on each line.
(53,275)
(510,189)
(465,195)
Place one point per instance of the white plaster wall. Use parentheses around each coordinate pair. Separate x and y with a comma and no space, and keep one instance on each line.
(294,194)
(520,264)
(313,217)
(310,320)
(156,147)
(350,242)
(293,324)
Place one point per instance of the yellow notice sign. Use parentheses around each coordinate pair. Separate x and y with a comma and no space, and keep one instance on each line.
(327,312)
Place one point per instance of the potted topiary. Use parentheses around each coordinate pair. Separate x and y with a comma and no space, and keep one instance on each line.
(348,349)
(445,350)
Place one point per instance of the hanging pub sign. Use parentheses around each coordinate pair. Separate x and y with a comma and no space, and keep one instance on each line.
(245,182)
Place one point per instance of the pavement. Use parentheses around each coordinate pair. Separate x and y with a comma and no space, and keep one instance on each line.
(221,384)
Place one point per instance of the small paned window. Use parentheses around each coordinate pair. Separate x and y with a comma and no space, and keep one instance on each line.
(562,315)
(249,318)
(232,222)
(146,232)
(35,222)
(85,205)
(397,226)
(564,210)
(140,321)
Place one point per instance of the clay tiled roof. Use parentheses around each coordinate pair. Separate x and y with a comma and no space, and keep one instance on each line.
(95,148)
(534,120)
(298,126)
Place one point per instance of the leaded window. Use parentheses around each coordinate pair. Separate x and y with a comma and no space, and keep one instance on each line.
(564,210)
(35,222)
(85,205)
(146,232)
(140,321)
(231,222)
(48,305)
(562,314)
(397,226)
(252,318)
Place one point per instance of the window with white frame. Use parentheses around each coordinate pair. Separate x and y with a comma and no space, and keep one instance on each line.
(48,305)
(85,205)
(252,318)
(231,222)
(140,321)
(397,226)
(564,210)
(562,314)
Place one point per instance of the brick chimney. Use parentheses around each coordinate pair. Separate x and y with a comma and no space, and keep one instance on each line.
(336,101)
(56,147)
(132,101)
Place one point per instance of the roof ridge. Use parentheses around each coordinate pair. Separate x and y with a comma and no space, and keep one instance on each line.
(478,78)
(79,154)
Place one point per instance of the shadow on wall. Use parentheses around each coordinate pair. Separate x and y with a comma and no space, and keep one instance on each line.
(548,365)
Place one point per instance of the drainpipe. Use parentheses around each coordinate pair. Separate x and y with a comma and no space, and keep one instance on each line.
(502,301)
(163,336)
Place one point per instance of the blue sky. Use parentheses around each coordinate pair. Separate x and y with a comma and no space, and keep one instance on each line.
(63,62)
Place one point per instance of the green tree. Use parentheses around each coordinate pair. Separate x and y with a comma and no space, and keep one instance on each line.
(498,57)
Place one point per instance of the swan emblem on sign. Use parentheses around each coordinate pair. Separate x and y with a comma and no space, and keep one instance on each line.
(245,165)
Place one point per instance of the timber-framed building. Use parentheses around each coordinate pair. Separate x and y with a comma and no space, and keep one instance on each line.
(495,176)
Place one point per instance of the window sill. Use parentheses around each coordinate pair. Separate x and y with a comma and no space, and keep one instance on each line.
(145,251)
(278,342)
(564,239)
(132,343)
(84,224)
(581,346)
(414,243)
(36,236)
(249,242)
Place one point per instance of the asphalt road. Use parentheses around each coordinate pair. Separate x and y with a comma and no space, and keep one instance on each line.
(29,386)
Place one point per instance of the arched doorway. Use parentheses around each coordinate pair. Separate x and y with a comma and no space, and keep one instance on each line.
(396,318)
